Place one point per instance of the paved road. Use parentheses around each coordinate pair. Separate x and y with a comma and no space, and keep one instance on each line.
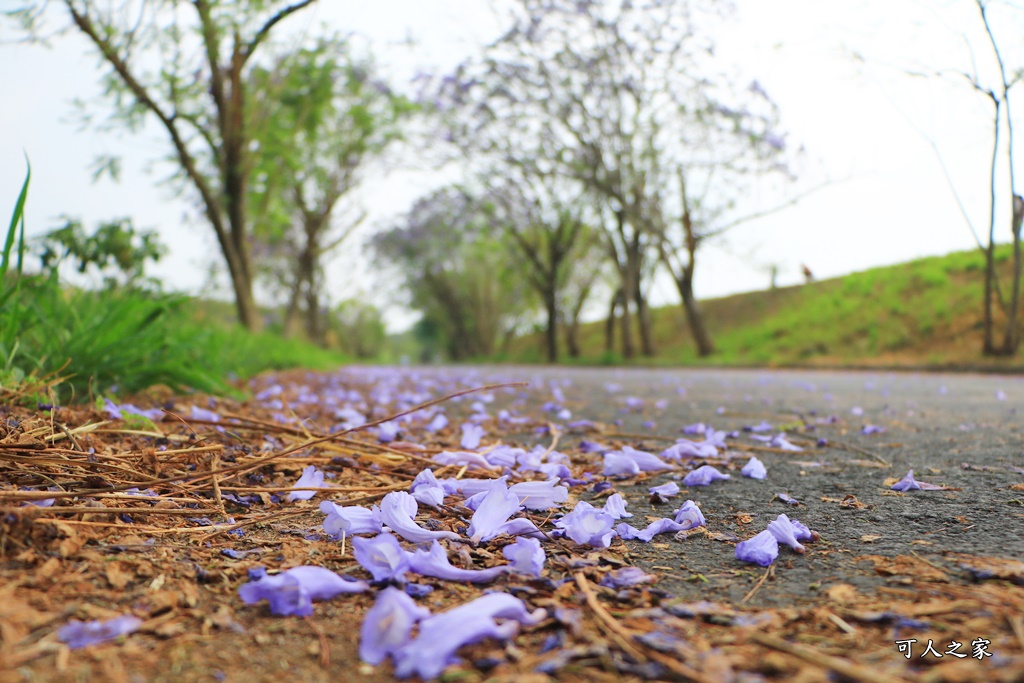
(960,431)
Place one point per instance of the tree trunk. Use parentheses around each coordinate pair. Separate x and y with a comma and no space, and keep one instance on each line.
(694,318)
(609,325)
(551,334)
(643,314)
(988,344)
(1011,339)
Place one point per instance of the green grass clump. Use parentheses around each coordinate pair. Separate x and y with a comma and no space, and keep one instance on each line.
(79,343)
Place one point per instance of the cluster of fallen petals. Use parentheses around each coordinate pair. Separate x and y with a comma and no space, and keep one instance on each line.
(513,502)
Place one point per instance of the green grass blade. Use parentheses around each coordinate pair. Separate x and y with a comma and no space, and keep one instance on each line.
(18,217)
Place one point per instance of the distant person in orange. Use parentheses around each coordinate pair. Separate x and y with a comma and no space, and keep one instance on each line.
(808,275)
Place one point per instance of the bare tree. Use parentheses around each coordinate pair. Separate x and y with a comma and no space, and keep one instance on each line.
(185,64)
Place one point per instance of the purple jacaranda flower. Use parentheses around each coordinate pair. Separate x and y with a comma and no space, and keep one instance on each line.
(615,505)
(626,577)
(492,513)
(784,532)
(350,520)
(470,460)
(872,429)
(382,556)
(388,431)
(690,514)
(587,525)
(688,449)
(388,625)
(1000,395)
(801,531)
(525,556)
(581,424)
(822,442)
(857,410)
(665,490)
(617,464)
(471,435)
(196,413)
(471,487)
(437,424)
(754,469)
(601,486)
(442,634)
(83,633)
(592,447)
(715,438)
(697,428)
(787,499)
(434,562)
(540,495)
(311,477)
(564,414)
(908,483)
(426,489)
(633,403)
(779,441)
(292,592)
(763,427)
(630,461)
(398,510)
(503,456)
(761,549)
(658,526)
(117,412)
(703,475)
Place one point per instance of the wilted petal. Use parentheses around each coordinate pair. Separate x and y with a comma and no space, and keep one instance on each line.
(779,441)
(350,520)
(648,462)
(617,464)
(703,475)
(388,431)
(802,533)
(82,633)
(627,577)
(437,424)
(754,469)
(493,511)
(660,526)
(431,496)
(587,525)
(398,510)
(292,592)
(665,490)
(690,514)
(382,556)
(872,429)
(434,562)
(908,483)
(761,549)
(460,458)
(540,495)
(615,506)
(311,478)
(442,634)
(526,556)
(388,625)
(471,436)
(784,532)
(689,449)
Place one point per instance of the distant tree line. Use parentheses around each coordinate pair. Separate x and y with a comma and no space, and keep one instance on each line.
(598,143)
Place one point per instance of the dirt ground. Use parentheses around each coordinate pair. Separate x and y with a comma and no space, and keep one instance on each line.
(891,573)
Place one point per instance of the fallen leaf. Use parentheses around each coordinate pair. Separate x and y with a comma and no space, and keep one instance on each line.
(870,538)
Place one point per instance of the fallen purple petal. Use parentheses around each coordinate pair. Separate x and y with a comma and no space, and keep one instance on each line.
(291,593)
(665,490)
(908,483)
(434,562)
(311,478)
(782,529)
(388,625)
(703,476)
(588,525)
(761,549)
(690,514)
(540,495)
(77,634)
(492,513)
(754,469)
(659,526)
(398,510)
(350,520)
(615,505)
(627,577)
(526,556)
(382,556)
(471,436)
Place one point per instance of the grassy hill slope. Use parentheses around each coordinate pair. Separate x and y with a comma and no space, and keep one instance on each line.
(924,312)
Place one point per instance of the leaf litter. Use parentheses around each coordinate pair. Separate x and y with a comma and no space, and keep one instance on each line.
(380,509)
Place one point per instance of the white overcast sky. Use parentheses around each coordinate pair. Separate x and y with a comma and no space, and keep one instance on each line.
(865,125)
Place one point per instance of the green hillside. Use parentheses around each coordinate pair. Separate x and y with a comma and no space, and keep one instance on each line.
(921,313)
